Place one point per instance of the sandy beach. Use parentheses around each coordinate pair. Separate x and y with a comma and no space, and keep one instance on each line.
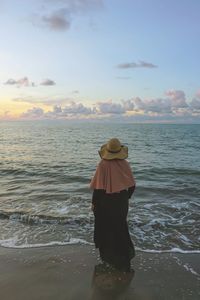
(75,272)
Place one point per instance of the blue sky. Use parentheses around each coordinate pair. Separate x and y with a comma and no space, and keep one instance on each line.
(132,60)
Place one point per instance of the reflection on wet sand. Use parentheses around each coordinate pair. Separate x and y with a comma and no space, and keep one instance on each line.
(109,283)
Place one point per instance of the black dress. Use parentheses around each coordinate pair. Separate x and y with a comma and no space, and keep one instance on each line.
(111,233)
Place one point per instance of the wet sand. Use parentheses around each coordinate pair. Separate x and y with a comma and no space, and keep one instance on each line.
(75,272)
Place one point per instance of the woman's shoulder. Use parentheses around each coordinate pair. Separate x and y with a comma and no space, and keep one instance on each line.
(125,161)
(104,161)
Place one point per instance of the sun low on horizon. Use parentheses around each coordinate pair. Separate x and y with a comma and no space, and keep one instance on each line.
(128,60)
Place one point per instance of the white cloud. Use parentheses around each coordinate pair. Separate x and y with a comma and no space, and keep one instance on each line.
(138,103)
(33,113)
(58,20)
(59,14)
(75,92)
(44,100)
(57,109)
(173,107)
(128,105)
(47,82)
(195,104)
(196,100)
(27,100)
(20,82)
(198,94)
(23,81)
(133,65)
(158,106)
(76,108)
(69,111)
(178,98)
(148,106)
(11,81)
(110,108)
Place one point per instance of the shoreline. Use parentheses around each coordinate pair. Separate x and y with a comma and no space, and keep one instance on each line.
(80,242)
(75,272)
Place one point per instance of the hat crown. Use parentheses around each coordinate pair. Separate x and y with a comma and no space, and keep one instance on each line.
(113,150)
(114,145)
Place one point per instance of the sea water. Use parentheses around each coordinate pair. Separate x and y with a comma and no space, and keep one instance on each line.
(46,168)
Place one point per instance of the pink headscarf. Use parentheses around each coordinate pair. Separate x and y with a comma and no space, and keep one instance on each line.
(112,176)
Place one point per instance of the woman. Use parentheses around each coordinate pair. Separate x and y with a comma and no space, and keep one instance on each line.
(113,184)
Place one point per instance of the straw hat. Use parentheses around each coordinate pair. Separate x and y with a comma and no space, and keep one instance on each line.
(113,150)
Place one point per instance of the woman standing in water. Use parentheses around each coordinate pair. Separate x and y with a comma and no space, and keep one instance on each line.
(113,184)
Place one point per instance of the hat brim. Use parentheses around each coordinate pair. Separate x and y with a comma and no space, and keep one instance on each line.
(105,154)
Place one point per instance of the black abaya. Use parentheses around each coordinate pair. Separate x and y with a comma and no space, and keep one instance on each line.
(111,233)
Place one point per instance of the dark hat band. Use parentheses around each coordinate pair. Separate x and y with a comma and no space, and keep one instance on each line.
(111,151)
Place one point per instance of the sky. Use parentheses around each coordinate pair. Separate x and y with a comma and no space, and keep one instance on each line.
(126,60)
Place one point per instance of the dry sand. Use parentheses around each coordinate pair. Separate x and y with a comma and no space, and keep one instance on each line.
(75,273)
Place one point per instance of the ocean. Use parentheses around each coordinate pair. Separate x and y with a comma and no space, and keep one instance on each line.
(45,171)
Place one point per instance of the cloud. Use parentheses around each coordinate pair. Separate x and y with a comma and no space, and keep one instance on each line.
(154,105)
(177,97)
(57,20)
(20,82)
(198,94)
(27,100)
(63,12)
(110,108)
(47,82)
(133,65)
(174,104)
(11,81)
(72,110)
(148,106)
(128,105)
(195,104)
(25,82)
(171,108)
(33,113)
(75,92)
(57,109)
(138,103)
(76,108)
(45,100)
